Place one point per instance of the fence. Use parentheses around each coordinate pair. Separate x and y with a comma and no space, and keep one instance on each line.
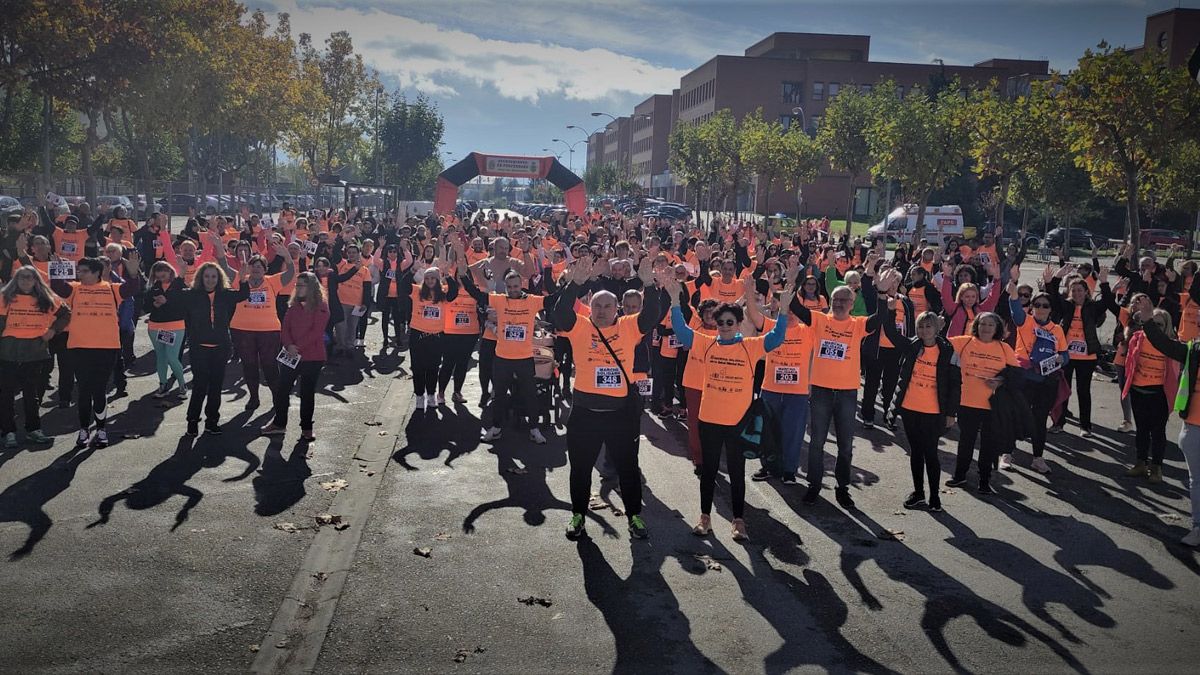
(179,198)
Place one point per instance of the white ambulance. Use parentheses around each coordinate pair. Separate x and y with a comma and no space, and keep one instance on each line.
(941,223)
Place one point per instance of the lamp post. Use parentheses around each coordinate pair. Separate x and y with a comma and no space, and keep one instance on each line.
(570,149)
(799,186)
(378,176)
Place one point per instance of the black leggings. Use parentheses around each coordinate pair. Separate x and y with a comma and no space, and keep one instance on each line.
(666,390)
(1083,371)
(1040,396)
(883,370)
(566,360)
(365,319)
(308,372)
(714,437)
(1150,414)
(425,350)
(618,431)
(456,360)
(487,359)
(389,312)
(25,378)
(923,431)
(972,422)
(92,369)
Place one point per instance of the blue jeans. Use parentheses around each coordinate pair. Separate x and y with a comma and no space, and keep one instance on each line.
(834,406)
(792,412)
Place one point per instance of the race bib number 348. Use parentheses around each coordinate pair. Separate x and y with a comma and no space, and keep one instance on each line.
(608,377)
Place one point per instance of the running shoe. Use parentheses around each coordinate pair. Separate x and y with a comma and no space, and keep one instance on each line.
(761,475)
(813,494)
(637,528)
(37,437)
(10,440)
(739,530)
(704,527)
(162,391)
(986,489)
(935,505)
(213,430)
(193,429)
(575,526)
(441,400)
(1055,429)
(82,438)
(1155,473)
(1006,462)
(492,434)
(1039,465)
(843,497)
(101,439)
(868,424)
(1086,433)
(956,482)
(914,500)
(788,479)
(458,397)
(1125,427)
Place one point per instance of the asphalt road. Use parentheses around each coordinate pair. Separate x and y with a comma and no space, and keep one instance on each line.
(1076,571)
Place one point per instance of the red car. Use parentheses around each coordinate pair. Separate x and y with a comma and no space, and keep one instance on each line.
(1164,238)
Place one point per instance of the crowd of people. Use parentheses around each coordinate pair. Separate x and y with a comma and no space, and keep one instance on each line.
(731,328)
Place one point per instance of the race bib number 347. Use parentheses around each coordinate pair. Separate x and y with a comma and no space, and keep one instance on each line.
(514,333)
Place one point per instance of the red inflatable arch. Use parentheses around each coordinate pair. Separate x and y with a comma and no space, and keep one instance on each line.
(479,164)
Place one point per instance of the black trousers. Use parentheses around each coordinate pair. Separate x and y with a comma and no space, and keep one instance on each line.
(513,374)
(923,431)
(389,311)
(27,379)
(365,319)
(1041,396)
(1150,414)
(971,423)
(666,387)
(92,369)
(208,376)
(425,351)
(66,369)
(1083,371)
(307,372)
(456,359)
(487,358)
(619,433)
(565,358)
(883,370)
(714,438)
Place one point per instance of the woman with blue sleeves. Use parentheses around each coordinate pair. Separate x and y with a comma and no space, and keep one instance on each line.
(1042,352)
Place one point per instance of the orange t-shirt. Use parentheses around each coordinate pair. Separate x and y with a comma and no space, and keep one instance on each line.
(427,315)
(980,362)
(1027,334)
(1150,369)
(921,395)
(94,316)
(462,316)
(728,380)
(43,268)
(1189,320)
(1076,344)
(920,303)
(24,319)
(595,370)
(724,292)
(350,291)
(69,245)
(514,324)
(788,367)
(837,347)
(257,313)
(820,304)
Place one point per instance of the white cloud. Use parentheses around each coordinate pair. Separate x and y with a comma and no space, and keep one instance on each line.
(432,59)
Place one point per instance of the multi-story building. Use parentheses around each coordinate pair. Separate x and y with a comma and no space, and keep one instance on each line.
(617,139)
(595,148)
(651,130)
(1175,32)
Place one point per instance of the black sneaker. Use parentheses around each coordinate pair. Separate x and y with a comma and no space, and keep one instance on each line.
(935,505)
(483,400)
(788,479)
(890,421)
(193,429)
(761,475)
(212,429)
(986,489)
(843,497)
(914,500)
(813,494)
(637,528)
(698,470)
(868,424)
(956,482)
(575,526)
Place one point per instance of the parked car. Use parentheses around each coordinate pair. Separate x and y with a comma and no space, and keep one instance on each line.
(178,204)
(9,206)
(113,201)
(140,202)
(1080,238)
(1158,237)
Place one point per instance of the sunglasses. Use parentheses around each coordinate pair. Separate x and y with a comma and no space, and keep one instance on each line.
(726,322)
(1024,295)
(1040,305)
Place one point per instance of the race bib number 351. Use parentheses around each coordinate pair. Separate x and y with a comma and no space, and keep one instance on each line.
(832,349)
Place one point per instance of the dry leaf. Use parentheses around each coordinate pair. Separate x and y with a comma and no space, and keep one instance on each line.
(709,563)
(328,519)
(597,505)
(320,576)
(423,552)
(383,433)
(892,535)
(443,536)
(1172,517)
(290,528)
(335,485)
(534,600)
(373,423)
(341,526)
(131,435)
(461,655)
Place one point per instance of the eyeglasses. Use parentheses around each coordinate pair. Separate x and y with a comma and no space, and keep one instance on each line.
(1040,305)
(726,322)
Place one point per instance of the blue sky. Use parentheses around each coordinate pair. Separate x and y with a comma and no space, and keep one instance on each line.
(510,76)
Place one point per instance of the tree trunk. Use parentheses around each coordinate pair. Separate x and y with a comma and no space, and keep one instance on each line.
(47,124)
(1131,209)
(998,227)
(850,207)
(920,231)
(767,199)
(90,141)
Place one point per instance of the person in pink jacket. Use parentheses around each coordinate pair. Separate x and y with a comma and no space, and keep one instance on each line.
(966,306)
(302,355)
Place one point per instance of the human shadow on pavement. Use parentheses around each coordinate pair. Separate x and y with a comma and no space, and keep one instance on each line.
(166,480)
(25,500)
(279,484)
(431,432)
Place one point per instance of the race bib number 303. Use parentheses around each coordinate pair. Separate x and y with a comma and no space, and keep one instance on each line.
(832,349)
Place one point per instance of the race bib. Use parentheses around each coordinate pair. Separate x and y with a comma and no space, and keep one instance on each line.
(673,342)
(287,359)
(787,375)
(69,247)
(462,319)
(258,297)
(832,349)
(1044,334)
(517,334)
(1077,347)
(646,387)
(310,247)
(166,337)
(432,312)
(985,257)
(61,269)
(1050,366)
(607,377)
(157,244)
(391,274)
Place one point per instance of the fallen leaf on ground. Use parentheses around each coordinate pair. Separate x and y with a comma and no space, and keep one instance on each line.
(598,505)
(949,491)
(341,526)
(373,423)
(709,563)
(383,433)
(131,435)
(290,528)
(370,473)
(899,513)
(517,470)
(534,600)
(1170,516)
(328,519)
(320,576)
(461,655)
(443,536)
(195,531)
(423,552)
(892,535)
(254,648)
(335,485)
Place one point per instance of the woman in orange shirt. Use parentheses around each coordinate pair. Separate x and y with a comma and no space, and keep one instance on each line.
(30,316)
(1150,386)
(255,325)
(430,303)
(702,321)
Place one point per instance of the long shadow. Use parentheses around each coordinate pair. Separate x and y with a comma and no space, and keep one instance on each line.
(25,501)
(431,432)
(279,484)
(166,480)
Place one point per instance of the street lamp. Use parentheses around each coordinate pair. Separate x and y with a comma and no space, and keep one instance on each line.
(378,177)
(586,133)
(604,114)
(571,149)
(799,186)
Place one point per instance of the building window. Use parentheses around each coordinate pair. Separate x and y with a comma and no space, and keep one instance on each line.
(867,88)
(792,92)
(818,91)
(814,123)
(834,88)
(900,91)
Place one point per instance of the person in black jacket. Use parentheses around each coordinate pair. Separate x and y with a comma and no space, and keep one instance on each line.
(166,325)
(1079,315)
(927,396)
(208,307)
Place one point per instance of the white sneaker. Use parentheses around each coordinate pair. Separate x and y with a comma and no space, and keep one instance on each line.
(492,434)
(1039,465)
(1191,538)
(536,436)
(83,438)
(421,400)
(1006,462)
(1086,433)
(1125,427)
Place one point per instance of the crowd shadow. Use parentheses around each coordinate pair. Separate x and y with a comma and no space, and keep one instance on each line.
(25,500)
(452,428)
(279,484)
